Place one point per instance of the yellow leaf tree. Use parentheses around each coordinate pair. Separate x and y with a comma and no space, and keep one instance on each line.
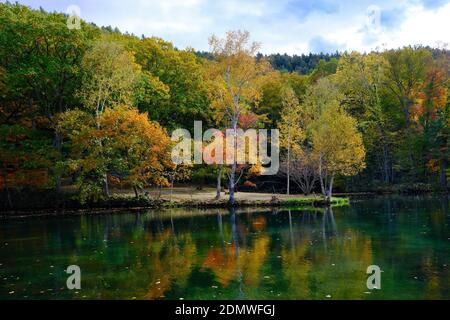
(290,129)
(110,76)
(234,75)
(337,146)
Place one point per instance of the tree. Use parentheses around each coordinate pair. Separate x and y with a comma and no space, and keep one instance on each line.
(41,59)
(22,152)
(40,68)
(181,172)
(218,143)
(272,89)
(132,149)
(324,68)
(433,113)
(110,76)
(336,145)
(303,64)
(234,74)
(362,80)
(270,104)
(317,99)
(406,74)
(290,129)
(405,78)
(175,83)
(302,169)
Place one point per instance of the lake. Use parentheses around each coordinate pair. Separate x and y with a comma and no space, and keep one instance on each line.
(246,254)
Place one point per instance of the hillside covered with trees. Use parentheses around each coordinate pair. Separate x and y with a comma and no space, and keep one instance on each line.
(302,64)
(93,109)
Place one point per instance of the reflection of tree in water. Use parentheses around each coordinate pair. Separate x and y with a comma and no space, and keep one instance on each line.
(293,254)
(295,263)
(149,258)
(132,257)
(171,261)
(236,251)
(434,267)
(220,223)
(321,261)
(409,238)
(239,262)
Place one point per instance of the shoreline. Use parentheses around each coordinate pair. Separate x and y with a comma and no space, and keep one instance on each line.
(110,208)
(64,204)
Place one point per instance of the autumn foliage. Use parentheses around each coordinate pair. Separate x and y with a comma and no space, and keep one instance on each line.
(121,143)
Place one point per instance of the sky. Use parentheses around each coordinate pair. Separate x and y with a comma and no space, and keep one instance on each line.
(281,26)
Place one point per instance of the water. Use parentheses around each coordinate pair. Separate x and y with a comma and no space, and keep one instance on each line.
(216,254)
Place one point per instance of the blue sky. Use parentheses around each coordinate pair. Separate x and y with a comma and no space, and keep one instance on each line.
(291,26)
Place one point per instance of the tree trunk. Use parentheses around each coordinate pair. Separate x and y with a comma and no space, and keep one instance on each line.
(8,195)
(106,185)
(233,166)
(171,188)
(289,163)
(310,186)
(330,190)
(231,185)
(405,104)
(58,146)
(322,185)
(385,163)
(392,172)
(443,173)
(136,193)
(219,182)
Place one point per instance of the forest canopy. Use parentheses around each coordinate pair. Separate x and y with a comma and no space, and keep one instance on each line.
(94,107)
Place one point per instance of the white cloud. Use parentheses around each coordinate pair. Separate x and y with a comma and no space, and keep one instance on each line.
(291,26)
(423,26)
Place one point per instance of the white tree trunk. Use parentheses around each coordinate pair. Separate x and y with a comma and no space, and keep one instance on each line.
(289,163)
(233,166)
(219,182)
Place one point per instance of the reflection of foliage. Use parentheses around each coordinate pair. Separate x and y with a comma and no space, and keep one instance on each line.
(301,255)
(296,268)
(338,270)
(172,263)
(225,264)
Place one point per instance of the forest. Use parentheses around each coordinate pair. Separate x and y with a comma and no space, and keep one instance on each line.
(92,109)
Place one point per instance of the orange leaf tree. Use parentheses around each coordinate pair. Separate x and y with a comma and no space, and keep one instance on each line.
(133,149)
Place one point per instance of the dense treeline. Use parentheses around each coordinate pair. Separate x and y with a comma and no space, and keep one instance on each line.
(93,107)
(303,64)
(306,63)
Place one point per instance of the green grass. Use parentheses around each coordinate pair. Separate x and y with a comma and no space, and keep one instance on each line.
(314,201)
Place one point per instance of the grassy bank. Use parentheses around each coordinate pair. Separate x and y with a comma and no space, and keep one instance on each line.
(316,201)
(274,201)
(51,203)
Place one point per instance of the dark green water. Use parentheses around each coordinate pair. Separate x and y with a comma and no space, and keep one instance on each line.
(293,254)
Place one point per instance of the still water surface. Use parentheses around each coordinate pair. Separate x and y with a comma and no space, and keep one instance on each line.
(247,254)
